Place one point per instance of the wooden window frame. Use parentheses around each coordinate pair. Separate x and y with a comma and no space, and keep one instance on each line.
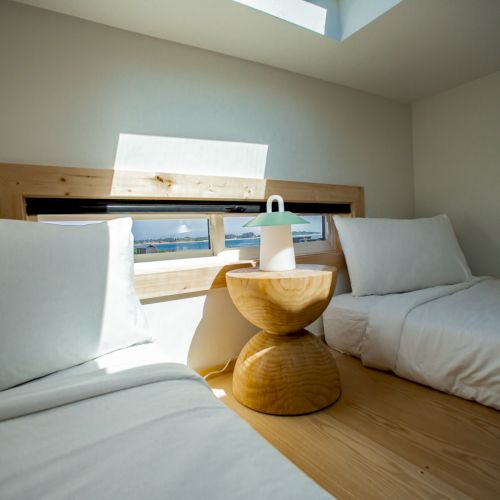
(173,277)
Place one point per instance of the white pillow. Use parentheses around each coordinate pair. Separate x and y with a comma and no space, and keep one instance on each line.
(66,296)
(389,256)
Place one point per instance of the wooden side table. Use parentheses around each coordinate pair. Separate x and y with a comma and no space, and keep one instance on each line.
(284,369)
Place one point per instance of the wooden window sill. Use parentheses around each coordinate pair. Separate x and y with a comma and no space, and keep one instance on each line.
(164,279)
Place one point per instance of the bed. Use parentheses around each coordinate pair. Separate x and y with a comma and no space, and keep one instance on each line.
(89,406)
(129,425)
(446,336)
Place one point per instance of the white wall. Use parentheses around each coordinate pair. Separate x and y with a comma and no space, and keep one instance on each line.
(69,88)
(457,166)
(201,330)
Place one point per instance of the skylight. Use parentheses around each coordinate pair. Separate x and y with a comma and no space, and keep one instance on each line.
(299,12)
(336,19)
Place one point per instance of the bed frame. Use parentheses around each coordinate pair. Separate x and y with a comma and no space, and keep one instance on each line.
(19,181)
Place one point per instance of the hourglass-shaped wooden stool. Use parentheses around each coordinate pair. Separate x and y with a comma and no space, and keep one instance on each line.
(284,369)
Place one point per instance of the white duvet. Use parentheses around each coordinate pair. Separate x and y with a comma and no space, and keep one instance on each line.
(447,337)
(129,426)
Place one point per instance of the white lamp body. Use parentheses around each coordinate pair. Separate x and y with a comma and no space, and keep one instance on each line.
(276,248)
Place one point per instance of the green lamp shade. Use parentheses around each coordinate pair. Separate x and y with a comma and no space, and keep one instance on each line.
(275,219)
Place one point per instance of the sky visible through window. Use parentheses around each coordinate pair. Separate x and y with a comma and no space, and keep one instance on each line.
(300,12)
(169,228)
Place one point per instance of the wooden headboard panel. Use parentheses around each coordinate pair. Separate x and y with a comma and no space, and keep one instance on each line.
(17,182)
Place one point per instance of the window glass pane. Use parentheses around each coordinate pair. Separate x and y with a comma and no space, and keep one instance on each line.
(237,236)
(314,231)
(170,235)
(162,235)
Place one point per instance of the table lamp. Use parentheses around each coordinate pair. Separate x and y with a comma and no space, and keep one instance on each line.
(276,242)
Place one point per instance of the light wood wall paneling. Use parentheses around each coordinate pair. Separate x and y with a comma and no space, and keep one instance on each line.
(39,180)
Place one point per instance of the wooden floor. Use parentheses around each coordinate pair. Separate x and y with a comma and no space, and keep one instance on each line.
(387,438)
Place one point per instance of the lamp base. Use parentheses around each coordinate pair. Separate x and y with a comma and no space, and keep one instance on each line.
(276,249)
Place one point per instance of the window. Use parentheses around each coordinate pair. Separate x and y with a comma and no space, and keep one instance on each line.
(170,235)
(308,238)
(180,229)
(303,13)
(155,238)
(314,231)
(236,235)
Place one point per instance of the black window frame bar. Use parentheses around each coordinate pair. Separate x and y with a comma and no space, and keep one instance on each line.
(74,206)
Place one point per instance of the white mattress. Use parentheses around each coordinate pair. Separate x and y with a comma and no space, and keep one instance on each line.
(345,321)
(129,426)
(447,337)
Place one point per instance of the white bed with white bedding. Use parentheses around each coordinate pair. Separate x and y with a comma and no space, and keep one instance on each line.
(415,308)
(446,337)
(89,408)
(129,426)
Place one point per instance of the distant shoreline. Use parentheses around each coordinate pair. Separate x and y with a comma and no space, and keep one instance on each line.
(187,241)
(166,242)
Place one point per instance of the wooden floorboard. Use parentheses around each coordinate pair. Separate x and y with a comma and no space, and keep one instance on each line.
(387,438)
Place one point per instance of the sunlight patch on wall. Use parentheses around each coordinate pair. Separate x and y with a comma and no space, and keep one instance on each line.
(190,156)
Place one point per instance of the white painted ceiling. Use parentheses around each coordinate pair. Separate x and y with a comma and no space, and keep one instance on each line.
(416,49)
